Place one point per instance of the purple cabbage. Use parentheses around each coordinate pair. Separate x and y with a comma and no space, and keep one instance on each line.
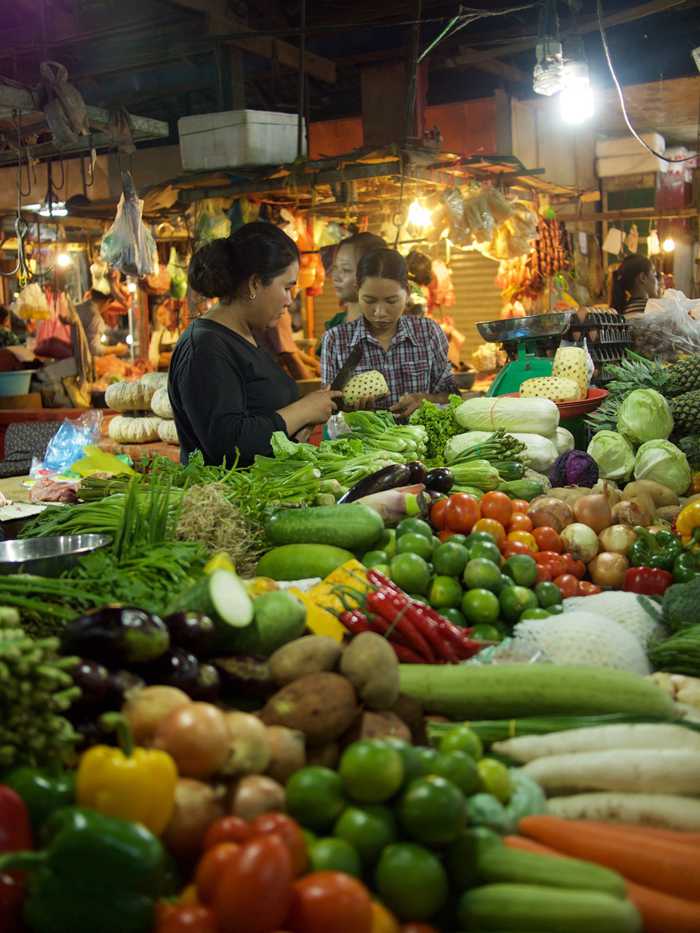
(574,468)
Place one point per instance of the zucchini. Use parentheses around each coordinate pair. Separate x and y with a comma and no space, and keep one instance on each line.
(354,526)
(525,907)
(301,561)
(510,691)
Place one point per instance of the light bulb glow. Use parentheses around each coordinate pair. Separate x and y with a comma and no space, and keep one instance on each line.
(418,215)
(129,339)
(63,260)
(53,209)
(668,245)
(131,287)
(576,103)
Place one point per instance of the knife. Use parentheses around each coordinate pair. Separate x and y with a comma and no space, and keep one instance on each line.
(348,368)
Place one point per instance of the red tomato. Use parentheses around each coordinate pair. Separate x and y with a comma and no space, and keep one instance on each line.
(576,567)
(524,537)
(568,584)
(290,834)
(462,512)
(446,535)
(438,515)
(255,890)
(491,527)
(586,588)
(555,563)
(520,522)
(330,900)
(548,539)
(544,574)
(226,829)
(211,867)
(498,506)
(509,548)
(178,918)
(520,505)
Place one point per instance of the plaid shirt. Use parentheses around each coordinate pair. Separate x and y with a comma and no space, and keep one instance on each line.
(416,361)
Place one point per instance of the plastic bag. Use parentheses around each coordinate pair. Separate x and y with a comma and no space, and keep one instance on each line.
(666,329)
(32,304)
(178,276)
(68,445)
(128,244)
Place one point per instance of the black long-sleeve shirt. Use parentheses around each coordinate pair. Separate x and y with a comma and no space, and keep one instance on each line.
(225,394)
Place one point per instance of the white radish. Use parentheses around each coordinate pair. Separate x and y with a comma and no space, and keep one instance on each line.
(663,771)
(665,811)
(600,738)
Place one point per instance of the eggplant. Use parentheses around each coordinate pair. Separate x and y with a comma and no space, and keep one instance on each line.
(418,473)
(176,668)
(389,477)
(94,682)
(122,682)
(439,480)
(208,688)
(192,631)
(246,677)
(117,636)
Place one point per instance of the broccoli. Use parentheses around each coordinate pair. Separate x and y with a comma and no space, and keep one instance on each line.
(680,604)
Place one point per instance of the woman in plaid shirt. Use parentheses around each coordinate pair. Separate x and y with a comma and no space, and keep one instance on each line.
(411,352)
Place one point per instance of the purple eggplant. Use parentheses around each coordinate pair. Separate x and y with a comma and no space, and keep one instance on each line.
(117,636)
(208,688)
(191,631)
(439,480)
(94,682)
(176,668)
(389,477)
(418,473)
(246,677)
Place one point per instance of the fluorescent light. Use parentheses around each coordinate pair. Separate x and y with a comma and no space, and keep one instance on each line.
(418,215)
(576,98)
(63,260)
(54,209)
(129,339)
(668,245)
(131,287)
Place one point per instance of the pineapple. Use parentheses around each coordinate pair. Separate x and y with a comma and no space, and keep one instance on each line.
(370,385)
(686,413)
(684,376)
(570,363)
(551,387)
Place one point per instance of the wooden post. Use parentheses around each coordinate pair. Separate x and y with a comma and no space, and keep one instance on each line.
(310,323)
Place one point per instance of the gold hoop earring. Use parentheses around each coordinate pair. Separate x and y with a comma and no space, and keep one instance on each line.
(251,297)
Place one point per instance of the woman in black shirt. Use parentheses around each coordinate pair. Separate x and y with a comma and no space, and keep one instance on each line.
(227,393)
(634,283)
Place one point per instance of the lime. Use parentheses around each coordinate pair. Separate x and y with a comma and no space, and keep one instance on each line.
(411,543)
(436,543)
(419,598)
(445,593)
(482,536)
(414,526)
(488,550)
(536,613)
(387,542)
(556,610)
(547,594)
(411,881)
(450,559)
(495,779)
(480,606)
(462,857)
(506,581)
(462,739)
(522,568)
(410,572)
(315,797)
(459,768)
(426,758)
(375,558)
(515,600)
(483,574)
(371,771)
(335,855)
(456,538)
(367,829)
(384,569)
(486,633)
(309,838)
(412,761)
(432,810)
(455,616)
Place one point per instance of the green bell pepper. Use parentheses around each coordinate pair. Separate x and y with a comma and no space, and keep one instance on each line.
(97,873)
(658,550)
(43,791)
(686,566)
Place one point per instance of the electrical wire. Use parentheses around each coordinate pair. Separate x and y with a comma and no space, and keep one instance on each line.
(465,17)
(618,88)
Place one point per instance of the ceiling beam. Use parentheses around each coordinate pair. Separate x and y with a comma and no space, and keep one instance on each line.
(492,66)
(221,22)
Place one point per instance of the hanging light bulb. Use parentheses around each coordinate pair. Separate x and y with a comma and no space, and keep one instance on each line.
(668,245)
(63,260)
(576,98)
(418,216)
(131,286)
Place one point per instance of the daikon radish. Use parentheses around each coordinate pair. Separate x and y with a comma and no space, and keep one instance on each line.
(640,771)
(652,736)
(663,810)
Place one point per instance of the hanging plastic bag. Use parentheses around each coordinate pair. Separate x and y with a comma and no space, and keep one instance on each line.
(128,245)
(54,337)
(68,445)
(667,327)
(32,304)
(178,276)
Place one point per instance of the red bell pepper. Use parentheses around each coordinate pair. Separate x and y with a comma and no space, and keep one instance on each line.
(15,836)
(647,581)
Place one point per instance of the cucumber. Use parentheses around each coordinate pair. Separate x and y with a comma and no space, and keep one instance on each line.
(223,598)
(512,691)
(353,526)
(301,561)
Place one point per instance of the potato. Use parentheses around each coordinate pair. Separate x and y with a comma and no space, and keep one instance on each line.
(371,666)
(322,706)
(256,794)
(668,513)
(410,711)
(287,752)
(660,495)
(568,494)
(311,654)
(378,726)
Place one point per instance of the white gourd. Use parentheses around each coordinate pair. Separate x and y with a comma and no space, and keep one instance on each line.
(126,430)
(128,396)
(528,415)
(160,404)
(167,432)
(154,380)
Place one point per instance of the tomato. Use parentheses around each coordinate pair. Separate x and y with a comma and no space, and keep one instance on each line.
(520,522)
(254,894)
(498,506)
(509,548)
(491,527)
(524,537)
(227,829)
(330,900)
(438,516)
(382,920)
(555,563)
(520,505)
(568,584)
(185,918)
(575,567)
(548,539)
(289,832)
(211,867)
(462,512)
(586,588)
(544,574)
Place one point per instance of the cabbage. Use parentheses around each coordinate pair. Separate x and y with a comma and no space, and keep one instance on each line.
(532,415)
(613,454)
(664,463)
(563,440)
(574,468)
(540,453)
(644,416)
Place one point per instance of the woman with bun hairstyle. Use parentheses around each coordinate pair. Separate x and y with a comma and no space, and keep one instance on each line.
(411,352)
(634,283)
(228,394)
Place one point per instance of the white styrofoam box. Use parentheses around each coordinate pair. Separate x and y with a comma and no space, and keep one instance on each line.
(628,145)
(237,137)
(639,164)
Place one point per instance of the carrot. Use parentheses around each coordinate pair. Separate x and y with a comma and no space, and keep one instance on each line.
(657,863)
(527,845)
(651,832)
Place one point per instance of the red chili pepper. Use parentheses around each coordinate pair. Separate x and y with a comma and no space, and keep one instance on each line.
(355,621)
(15,836)
(378,579)
(451,631)
(405,655)
(393,608)
(647,581)
(471,647)
(11,902)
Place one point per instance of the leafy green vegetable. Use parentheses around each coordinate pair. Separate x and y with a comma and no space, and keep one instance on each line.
(643,416)
(613,454)
(440,424)
(664,463)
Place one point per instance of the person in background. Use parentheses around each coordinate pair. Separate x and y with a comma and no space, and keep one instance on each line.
(165,337)
(229,396)
(410,351)
(633,284)
(90,314)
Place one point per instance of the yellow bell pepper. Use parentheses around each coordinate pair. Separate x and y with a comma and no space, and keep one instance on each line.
(688,521)
(220,561)
(135,784)
(324,604)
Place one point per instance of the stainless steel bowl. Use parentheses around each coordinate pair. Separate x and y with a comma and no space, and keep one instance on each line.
(523,328)
(47,557)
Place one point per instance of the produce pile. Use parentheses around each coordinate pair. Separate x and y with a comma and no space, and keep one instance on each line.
(360,687)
